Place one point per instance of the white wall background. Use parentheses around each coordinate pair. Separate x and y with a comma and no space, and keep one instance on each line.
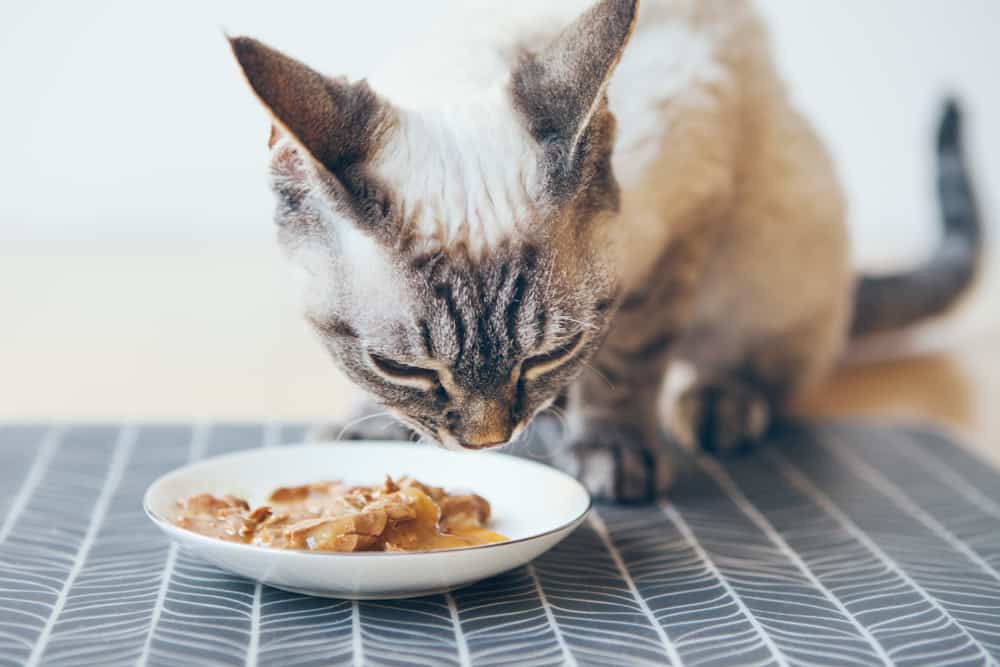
(126,119)
(138,276)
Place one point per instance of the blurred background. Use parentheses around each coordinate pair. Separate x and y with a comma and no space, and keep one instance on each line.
(138,273)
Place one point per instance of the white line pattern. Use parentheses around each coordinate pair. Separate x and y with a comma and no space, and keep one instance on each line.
(675,517)
(463,646)
(602,531)
(123,449)
(161,596)
(39,554)
(702,621)
(50,443)
(878,547)
(943,619)
(299,630)
(196,450)
(418,632)
(905,503)
(272,434)
(504,622)
(207,615)
(570,661)
(357,645)
(934,466)
(726,482)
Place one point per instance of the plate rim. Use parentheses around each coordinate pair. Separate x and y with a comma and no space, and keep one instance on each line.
(173,530)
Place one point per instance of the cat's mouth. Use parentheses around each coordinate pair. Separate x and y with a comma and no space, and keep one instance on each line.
(442,438)
(452,443)
(446,440)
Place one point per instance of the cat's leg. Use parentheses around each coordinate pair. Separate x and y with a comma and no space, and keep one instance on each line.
(614,444)
(367,421)
(724,414)
(729,410)
(615,441)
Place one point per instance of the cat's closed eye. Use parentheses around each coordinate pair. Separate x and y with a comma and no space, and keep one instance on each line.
(405,374)
(539,365)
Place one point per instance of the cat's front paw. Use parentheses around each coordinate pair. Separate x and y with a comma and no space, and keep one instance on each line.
(722,417)
(616,463)
(366,426)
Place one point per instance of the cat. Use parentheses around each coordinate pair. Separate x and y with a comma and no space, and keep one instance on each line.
(561,206)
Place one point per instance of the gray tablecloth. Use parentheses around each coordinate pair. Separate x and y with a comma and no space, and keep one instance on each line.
(836,544)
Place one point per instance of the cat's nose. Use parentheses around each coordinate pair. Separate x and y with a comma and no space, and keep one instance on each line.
(485,423)
(487,439)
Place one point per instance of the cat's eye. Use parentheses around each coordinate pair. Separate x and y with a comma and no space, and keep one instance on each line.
(539,365)
(404,374)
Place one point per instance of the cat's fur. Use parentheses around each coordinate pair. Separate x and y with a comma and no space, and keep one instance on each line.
(568,205)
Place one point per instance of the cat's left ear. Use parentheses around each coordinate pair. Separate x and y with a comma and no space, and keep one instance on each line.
(560,89)
(337,122)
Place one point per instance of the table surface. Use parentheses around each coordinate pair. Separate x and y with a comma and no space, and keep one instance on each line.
(837,543)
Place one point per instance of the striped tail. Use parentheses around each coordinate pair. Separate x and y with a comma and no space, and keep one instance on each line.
(889,303)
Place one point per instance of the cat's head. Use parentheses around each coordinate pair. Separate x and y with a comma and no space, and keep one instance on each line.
(455,260)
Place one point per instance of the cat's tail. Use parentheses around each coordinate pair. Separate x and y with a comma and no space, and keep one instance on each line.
(893,302)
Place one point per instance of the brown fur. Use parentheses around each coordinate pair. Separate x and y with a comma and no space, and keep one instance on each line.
(728,251)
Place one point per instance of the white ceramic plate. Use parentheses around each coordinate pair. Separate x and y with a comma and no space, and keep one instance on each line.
(534,505)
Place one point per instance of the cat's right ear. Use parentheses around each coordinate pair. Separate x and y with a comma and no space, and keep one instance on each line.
(560,89)
(337,122)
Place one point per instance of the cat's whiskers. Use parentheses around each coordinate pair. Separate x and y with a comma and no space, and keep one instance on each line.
(584,325)
(351,424)
(531,443)
(535,448)
(607,381)
(420,430)
(560,414)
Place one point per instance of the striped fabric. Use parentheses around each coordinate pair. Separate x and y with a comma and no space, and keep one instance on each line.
(837,544)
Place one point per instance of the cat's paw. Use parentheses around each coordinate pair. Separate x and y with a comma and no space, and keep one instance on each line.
(722,417)
(369,427)
(616,463)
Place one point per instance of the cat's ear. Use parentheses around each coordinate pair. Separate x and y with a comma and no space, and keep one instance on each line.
(337,122)
(560,89)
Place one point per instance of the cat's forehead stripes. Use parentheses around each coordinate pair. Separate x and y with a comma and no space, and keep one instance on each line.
(482,317)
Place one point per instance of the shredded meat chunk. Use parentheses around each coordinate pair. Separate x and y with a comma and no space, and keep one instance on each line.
(204,513)
(463,512)
(398,515)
